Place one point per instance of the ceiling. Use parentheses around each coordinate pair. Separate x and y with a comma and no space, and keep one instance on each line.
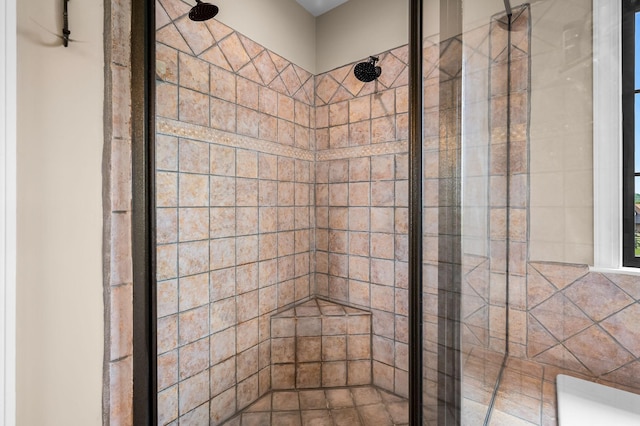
(318,7)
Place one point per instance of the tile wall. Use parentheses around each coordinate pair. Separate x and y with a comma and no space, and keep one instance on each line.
(551,293)
(320,344)
(117,250)
(235,215)
(584,322)
(361,204)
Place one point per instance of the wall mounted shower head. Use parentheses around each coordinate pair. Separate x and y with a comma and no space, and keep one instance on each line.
(203,11)
(367,71)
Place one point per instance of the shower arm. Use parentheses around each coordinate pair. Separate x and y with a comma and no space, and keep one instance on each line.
(507,7)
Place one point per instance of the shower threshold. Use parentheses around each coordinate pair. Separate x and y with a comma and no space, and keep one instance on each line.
(348,406)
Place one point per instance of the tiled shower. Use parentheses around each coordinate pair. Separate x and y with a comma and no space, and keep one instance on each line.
(282,237)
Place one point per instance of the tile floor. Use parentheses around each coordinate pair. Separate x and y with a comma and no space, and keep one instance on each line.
(352,406)
(526,397)
(527,394)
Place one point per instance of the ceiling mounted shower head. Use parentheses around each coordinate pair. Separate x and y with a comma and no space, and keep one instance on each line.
(203,11)
(367,71)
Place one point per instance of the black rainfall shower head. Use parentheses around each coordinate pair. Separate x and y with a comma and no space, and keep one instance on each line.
(367,71)
(203,11)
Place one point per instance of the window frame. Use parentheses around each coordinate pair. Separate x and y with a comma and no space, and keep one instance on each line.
(628,94)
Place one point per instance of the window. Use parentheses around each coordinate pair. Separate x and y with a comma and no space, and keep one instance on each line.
(631,133)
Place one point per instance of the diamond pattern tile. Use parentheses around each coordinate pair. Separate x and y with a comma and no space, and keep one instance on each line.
(478,279)
(234,51)
(561,357)
(623,326)
(597,351)
(198,36)
(561,317)
(170,36)
(391,69)
(291,80)
(538,288)
(628,375)
(589,293)
(628,283)
(249,71)
(215,56)
(265,66)
(252,48)
(538,338)
(175,8)
(218,29)
(560,275)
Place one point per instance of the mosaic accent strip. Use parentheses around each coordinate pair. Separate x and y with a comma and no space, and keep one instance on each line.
(206,134)
(400,147)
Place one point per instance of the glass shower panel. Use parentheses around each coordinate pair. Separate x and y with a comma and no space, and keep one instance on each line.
(475,77)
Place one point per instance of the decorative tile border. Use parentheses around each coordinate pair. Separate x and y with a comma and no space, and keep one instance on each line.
(179,129)
(400,147)
(192,131)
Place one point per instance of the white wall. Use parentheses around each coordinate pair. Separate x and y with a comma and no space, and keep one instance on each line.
(561,155)
(359,28)
(59,231)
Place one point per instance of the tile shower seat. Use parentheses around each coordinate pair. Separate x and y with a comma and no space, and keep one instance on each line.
(320,343)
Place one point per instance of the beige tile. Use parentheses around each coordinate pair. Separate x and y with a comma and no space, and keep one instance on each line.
(223,115)
(283,376)
(194,324)
(383,376)
(199,415)
(167,333)
(247,363)
(223,406)
(375,414)
(194,391)
(194,291)
(222,253)
(334,325)
(220,378)
(338,113)
(334,348)
(339,136)
(359,373)
(168,369)
(308,349)
(283,350)
(358,347)
(166,189)
(222,284)
(346,417)
(194,358)
(167,405)
(193,107)
(334,373)
(193,190)
(382,167)
(308,375)
(167,100)
(317,417)
(167,298)
(223,84)
(223,345)
(312,400)
(308,327)
(283,327)
(339,398)
(360,169)
(247,335)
